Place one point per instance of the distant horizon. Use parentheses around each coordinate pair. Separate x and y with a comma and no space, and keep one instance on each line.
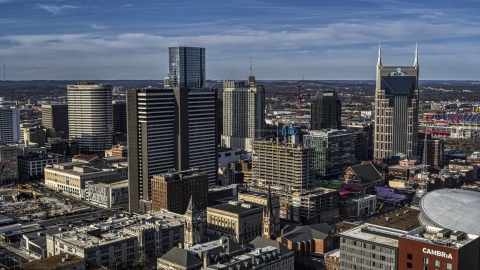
(216,80)
(54,40)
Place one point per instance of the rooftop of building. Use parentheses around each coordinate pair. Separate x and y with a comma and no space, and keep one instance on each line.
(120,228)
(33,157)
(374,234)
(333,253)
(181,257)
(248,260)
(218,188)
(175,175)
(119,184)
(84,157)
(440,236)
(344,226)
(329,132)
(50,263)
(238,207)
(260,242)
(223,245)
(77,168)
(455,209)
(401,167)
(405,219)
(366,172)
(309,232)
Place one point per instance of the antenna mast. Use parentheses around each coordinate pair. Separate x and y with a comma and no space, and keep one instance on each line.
(251,72)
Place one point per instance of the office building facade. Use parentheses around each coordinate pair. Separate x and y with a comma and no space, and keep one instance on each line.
(90,116)
(187,67)
(119,116)
(396,111)
(55,116)
(9,122)
(334,151)
(169,129)
(282,165)
(326,111)
(243,114)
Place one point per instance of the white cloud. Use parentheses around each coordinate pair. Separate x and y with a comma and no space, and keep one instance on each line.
(96,26)
(128,5)
(4,1)
(310,51)
(56,9)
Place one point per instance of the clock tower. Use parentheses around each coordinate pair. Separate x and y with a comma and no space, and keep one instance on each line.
(194,228)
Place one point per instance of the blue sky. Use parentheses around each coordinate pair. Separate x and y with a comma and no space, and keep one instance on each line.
(119,39)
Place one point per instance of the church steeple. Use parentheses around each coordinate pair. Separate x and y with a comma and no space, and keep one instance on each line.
(268,219)
(194,227)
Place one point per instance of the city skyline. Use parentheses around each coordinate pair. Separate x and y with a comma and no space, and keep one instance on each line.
(287,40)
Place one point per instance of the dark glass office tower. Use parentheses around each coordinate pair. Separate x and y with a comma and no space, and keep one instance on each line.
(326,111)
(187,67)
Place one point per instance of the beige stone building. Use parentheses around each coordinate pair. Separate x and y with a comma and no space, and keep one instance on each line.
(262,199)
(70,177)
(238,220)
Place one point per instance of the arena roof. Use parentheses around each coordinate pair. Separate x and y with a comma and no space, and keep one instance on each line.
(455,209)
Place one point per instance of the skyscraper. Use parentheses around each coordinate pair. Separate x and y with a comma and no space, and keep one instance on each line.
(187,67)
(9,123)
(243,114)
(90,116)
(119,116)
(150,140)
(326,111)
(169,129)
(55,116)
(396,110)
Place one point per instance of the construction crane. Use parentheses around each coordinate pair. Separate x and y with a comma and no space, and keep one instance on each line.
(4,164)
(299,96)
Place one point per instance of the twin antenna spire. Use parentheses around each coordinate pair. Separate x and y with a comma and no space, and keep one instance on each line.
(379,63)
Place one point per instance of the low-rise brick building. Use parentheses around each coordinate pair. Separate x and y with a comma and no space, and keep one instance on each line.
(306,241)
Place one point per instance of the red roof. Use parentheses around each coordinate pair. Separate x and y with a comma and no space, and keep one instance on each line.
(345,192)
(84,157)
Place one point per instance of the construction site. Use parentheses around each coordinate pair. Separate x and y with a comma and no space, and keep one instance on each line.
(23,204)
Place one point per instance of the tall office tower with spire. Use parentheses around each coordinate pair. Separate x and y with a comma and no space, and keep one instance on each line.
(396,110)
(326,111)
(243,113)
(90,116)
(187,67)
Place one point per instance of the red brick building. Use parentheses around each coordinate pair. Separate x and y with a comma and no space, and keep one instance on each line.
(172,191)
(365,175)
(306,241)
(436,248)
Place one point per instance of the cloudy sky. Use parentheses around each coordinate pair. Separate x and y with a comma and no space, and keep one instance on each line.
(327,39)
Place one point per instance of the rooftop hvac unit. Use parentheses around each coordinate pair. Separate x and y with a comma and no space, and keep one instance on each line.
(457,236)
(444,233)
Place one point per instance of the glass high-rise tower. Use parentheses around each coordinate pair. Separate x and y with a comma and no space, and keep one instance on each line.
(187,67)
